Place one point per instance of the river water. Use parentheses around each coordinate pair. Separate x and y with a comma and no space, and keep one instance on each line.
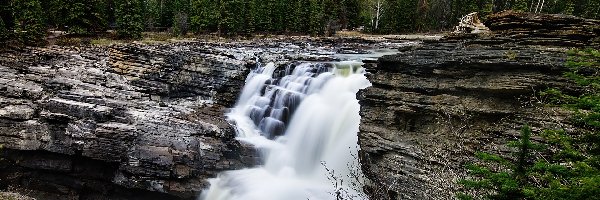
(303,119)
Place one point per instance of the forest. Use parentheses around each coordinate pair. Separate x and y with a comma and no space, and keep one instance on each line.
(28,21)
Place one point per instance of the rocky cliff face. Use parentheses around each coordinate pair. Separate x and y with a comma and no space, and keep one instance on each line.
(432,106)
(120,122)
(133,121)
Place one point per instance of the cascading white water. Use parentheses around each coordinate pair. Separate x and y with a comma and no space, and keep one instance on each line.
(304,120)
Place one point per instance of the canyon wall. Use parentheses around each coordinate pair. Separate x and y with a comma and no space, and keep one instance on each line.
(119,122)
(434,105)
(133,121)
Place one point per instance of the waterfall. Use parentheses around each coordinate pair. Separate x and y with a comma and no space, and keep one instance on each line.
(304,120)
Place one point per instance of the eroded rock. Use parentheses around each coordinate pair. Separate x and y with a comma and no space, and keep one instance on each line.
(433,106)
(544,29)
(119,122)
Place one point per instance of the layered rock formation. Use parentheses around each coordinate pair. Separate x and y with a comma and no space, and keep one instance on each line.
(133,121)
(433,106)
(551,30)
(120,122)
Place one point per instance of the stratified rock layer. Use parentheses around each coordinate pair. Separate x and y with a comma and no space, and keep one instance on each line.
(119,122)
(134,121)
(433,106)
(538,29)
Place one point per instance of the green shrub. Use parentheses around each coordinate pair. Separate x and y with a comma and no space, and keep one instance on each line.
(570,167)
(500,177)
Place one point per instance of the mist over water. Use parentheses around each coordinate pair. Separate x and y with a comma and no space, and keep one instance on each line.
(304,121)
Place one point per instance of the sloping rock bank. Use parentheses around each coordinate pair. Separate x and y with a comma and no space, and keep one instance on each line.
(119,122)
(432,106)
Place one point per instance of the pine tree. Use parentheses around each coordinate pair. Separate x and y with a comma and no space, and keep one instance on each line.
(130,23)
(511,180)
(250,17)
(301,17)
(205,15)
(180,17)
(262,13)
(3,32)
(80,17)
(353,12)
(30,28)
(521,5)
(570,168)
(316,23)
(279,16)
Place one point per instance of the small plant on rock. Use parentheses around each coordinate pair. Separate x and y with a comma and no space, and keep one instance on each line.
(569,168)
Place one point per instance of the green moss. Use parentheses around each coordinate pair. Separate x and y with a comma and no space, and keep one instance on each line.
(511,55)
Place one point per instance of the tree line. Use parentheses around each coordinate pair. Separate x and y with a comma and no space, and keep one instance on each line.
(28,20)
(436,15)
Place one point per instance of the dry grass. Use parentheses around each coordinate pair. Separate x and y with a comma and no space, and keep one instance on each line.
(106,42)
(13,196)
(351,34)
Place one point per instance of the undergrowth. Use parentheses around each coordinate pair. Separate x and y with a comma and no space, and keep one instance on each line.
(567,164)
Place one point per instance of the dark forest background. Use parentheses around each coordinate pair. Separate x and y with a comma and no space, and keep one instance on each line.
(29,20)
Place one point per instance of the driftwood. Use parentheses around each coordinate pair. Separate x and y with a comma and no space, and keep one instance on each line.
(470,24)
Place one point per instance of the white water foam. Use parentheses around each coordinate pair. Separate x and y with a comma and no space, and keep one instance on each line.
(304,120)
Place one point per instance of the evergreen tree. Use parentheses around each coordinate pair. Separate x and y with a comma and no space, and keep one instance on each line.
(231,21)
(301,18)
(80,17)
(159,13)
(206,15)
(276,16)
(250,17)
(504,184)
(570,168)
(279,16)
(400,16)
(521,5)
(592,9)
(3,32)
(353,13)
(316,18)
(130,23)
(262,13)
(29,23)
(180,18)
